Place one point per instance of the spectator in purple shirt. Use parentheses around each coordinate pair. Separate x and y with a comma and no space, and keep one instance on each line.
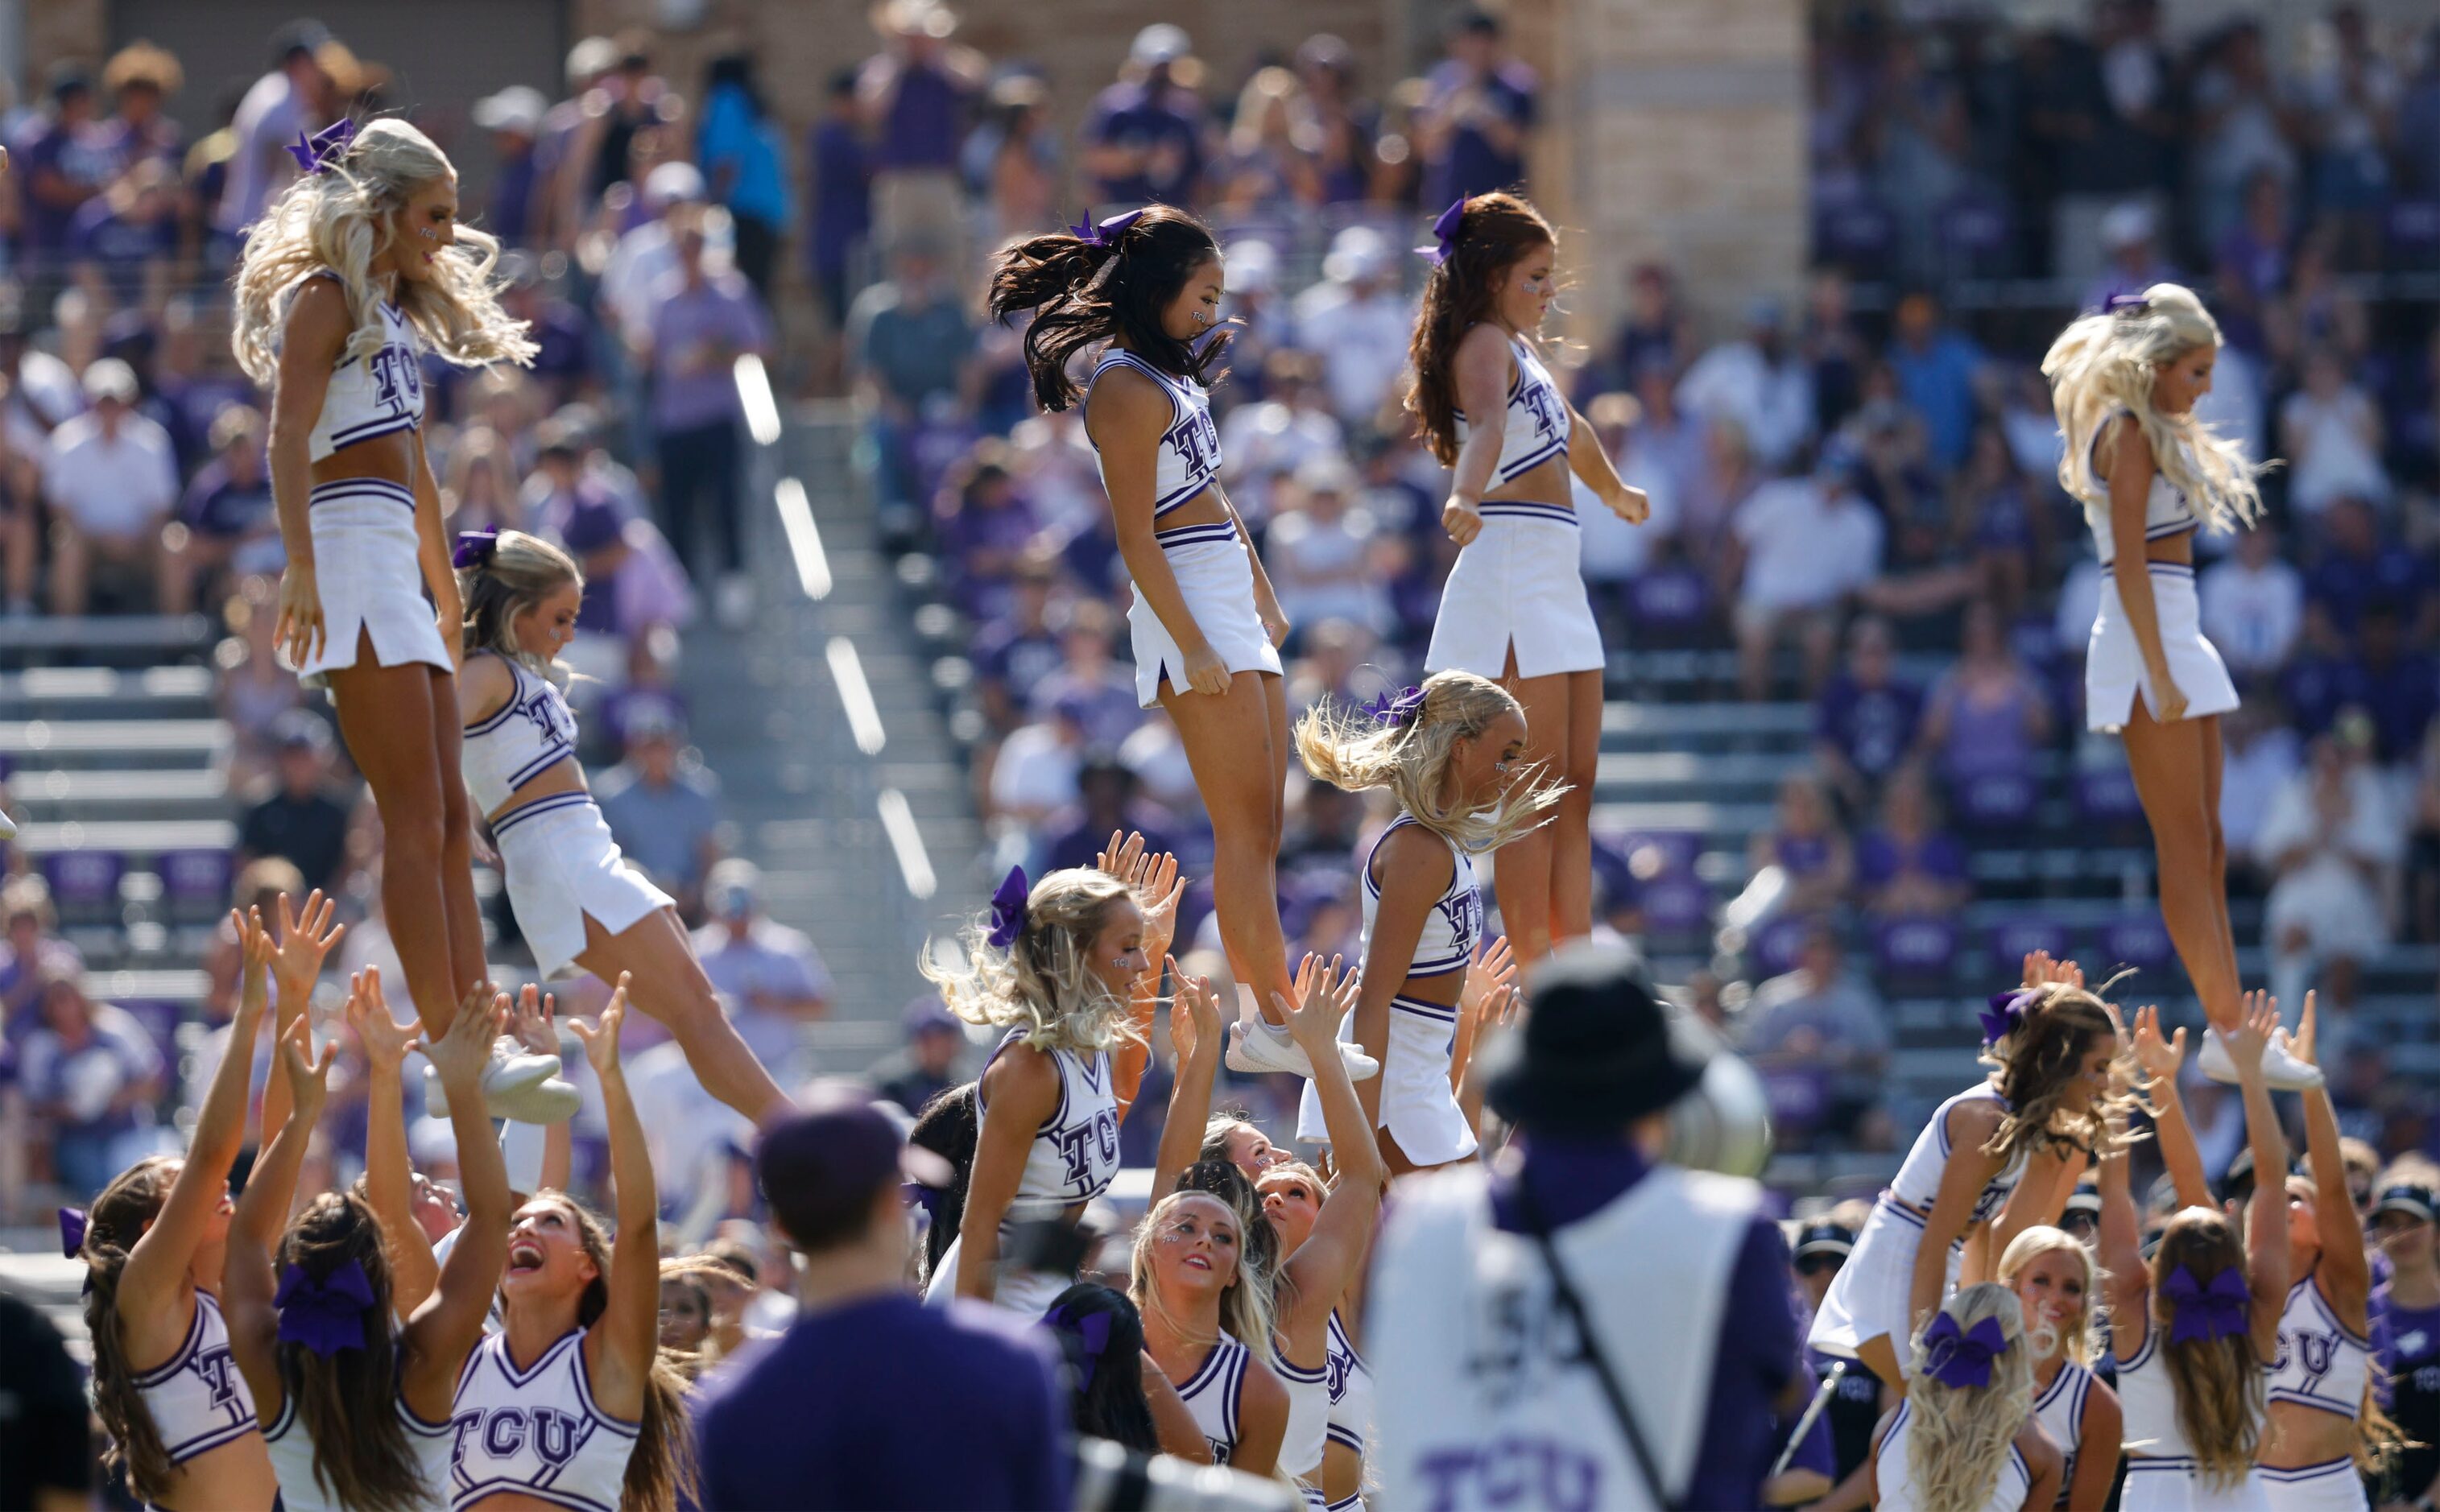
(913,98)
(705,319)
(1145,136)
(1865,721)
(2394,683)
(124,242)
(230,529)
(1988,715)
(984,525)
(840,196)
(60,163)
(1473,126)
(140,79)
(1015,651)
(513,117)
(2359,566)
(872,1400)
(1909,867)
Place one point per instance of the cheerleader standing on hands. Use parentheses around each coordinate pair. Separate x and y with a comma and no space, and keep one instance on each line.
(345,281)
(1206,626)
(2149,474)
(1514,608)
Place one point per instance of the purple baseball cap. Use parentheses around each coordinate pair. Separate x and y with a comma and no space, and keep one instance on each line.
(821,1167)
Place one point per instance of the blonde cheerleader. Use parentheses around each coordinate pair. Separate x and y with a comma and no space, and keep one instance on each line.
(2149,474)
(358,268)
(1515,607)
(2055,1278)
(1966,1439)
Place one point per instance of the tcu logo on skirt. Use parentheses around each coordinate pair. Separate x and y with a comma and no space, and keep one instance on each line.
(1099,1136)
(502,1434)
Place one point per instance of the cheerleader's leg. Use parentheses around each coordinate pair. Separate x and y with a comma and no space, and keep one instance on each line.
(668,984)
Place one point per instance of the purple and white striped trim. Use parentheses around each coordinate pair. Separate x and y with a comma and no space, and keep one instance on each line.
(1523,510)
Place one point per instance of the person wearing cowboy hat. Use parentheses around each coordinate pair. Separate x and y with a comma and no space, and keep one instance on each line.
(1671,1278)
(913,98)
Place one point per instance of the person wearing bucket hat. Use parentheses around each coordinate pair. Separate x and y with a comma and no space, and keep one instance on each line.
(1581,1232)
(2405,1329)
(871,1396)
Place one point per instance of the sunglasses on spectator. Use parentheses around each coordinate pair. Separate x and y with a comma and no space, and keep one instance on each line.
(1816,1264)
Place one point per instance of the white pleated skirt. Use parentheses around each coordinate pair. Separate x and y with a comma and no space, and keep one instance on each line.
(1216,576)
(1518,583)
(1418,1105)
(2113,665)
(562,867)
(1027,1294)
(370,581)
(2169,1485)
(2330,1486)
(1867,1298)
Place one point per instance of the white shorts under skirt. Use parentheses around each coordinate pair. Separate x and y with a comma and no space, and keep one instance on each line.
(2113,665)
(562,867)
(1867,1298)
(2332,1486)
(1216,576)
(1418,1105)
(366,569)
(2168,1485)
(1028,1293)
(1518,583)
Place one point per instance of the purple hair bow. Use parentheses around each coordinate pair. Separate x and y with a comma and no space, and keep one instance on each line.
(1961,1357)
(1093,1329)
(1008,909)
(474,548)
(2126,305)
(72,1225)
(324,1316)
(1106,234)
(1396,708)
(1444,231)
(2207,1311)
(2006,1014)
(316,153)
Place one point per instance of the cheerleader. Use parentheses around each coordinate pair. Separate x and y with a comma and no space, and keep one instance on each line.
(1965,1438)
(1515,607)
(2194,1328)
(577,901)
(2124,384)
(580,1343)
(1448,752)
(2053,1047)
(2406,1330)
(179,1413)
(358,268)
(1203,1316)
(2321,1375)
(358,1415)
(2054,1278)
(1146,286)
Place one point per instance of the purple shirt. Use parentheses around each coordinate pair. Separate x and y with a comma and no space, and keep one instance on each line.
(1873,727)
(1167,126)
(1881,859)
(123,248)
(886,1403)
(1758,1351)
(689,394)
(79,155)
(925,121)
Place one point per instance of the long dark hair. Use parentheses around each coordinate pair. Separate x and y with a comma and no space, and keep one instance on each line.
(950,1127)
(344,1401)
(1106,1398)
(119,1218)
(1497,230)
(1083,291)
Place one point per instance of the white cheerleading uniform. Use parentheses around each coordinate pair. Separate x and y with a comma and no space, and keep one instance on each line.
(2115,675)
(1214,564)
(366,563)
(2322,1364)
(1519,583)
(1481,1380)
(1073,1158)
(2060,1411)
(1308,1429)
(1351,1390)
(2160,1465)
(291,1459)
(1215,1392)
(1893,1475)
(1418,1105)
(562,867)
(1870,1296)
(197,1398)
(535,1432)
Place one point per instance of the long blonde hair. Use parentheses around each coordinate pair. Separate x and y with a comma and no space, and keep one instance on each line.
(1961,1435)
(2104,363)
(1042,982)
(1245,1306)
(1348,748)
(2081,1343)
(2216,1383)
(517,572)
(336,221)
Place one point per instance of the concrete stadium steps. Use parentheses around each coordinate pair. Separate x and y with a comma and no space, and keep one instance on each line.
(131,642)
(65,794)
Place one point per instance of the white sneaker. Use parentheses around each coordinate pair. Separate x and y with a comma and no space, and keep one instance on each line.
(1257,1045)
(511,1071)
(553,1100)
(2281,1071)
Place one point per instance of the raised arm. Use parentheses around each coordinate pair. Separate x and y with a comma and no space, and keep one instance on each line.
(247,1286)
(295,966)
(1328,1259)
(1195,1029)
(621,1349)
(1970,1125)
(2160,1059)
(2119,1242)
(2040,1198)
(2343,1268)
(389,1175)
(1019,1092)
(450,1321)
(313,335)
(1156,878)
(2265,1221)
(1488,1004)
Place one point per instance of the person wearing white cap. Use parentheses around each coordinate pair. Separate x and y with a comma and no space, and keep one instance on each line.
(111,481)
(647,256)
(1359,321)
(513,117)
(1145,136)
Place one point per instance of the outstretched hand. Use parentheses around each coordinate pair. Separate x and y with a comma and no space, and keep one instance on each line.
(385,1041)
(1324,997)
(309,1079)
(2041,970)
(1194,1012)
(2251,1036)
(1492,978)
(305,939)
(2303,1044)
(601,1038)
(255,948)
(532,1021)
(2159,1056)
(460,1056)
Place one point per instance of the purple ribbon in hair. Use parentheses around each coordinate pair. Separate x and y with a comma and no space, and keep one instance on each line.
(2126,305)
(72,1226)
(2216,1310)
(474,548)
(1106,233)
(1008,909)
(1961,1357)
(324,1316)
(2006,1014)
(1093,1329)
(1395,709)
(316,153)
(1444,231)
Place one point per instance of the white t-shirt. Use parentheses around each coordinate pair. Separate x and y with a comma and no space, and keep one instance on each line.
(1034,771)
(1805,549)
(1363,343)
(1773,405)
(118,487)
(2251,617)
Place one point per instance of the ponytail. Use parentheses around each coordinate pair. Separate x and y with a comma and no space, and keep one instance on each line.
(116,1221)
(1113,283)
(1493,232)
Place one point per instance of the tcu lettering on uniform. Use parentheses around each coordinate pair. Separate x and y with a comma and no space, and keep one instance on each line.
(1340,1366)
(1079,1145)
(395,374)
(1514,1471)
(550,716)
(2317,1350)
(1196,441)
(219,1370)
(1542,401)
(504,1432)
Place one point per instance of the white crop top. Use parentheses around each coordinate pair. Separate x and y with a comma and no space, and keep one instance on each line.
(1189,457)
(518,743)
(535,1430)
(1308,1429)
(375,394)
(291,1449)
(1213,1393)
(1351,1390)
(2147,1403)
(197,1396)
(2321,1362)
(2167,509)
(1075,1153)
(1918,1180)
(1893,1474)
(1537,419)
(2060,1411)
(1453,926)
